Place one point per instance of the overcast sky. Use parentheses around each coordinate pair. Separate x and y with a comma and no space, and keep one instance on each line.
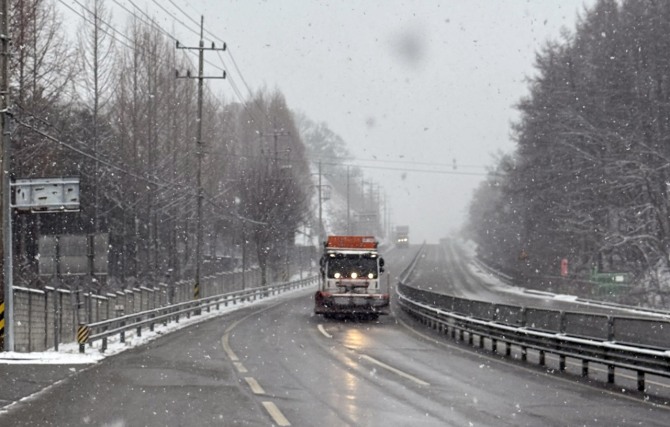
(410,85)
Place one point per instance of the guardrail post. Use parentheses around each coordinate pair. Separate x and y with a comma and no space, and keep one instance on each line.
(139,331)
(123,333)
(640,381)
(561,362)
(481,341)
(494,345)
(561,322)
(610,328)
(585,368)
(524,353)
(542,361)
(508,349)
(104,345)
(470,338)
(610,374)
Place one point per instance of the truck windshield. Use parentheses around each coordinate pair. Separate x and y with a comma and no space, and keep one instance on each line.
(349,265)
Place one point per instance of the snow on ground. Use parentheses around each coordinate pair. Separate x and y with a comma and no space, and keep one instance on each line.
(68,353)
(501,286)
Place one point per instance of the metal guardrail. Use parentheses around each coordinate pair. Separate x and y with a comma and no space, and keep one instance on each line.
(638,344)
(119,325)
(407,272)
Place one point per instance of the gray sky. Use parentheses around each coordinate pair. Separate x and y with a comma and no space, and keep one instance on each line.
(417,82)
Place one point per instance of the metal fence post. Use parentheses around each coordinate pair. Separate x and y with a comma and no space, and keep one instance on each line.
(56,319)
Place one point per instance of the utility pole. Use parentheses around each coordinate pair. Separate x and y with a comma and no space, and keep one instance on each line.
(199,151)
(275,135)
(320,209)
(5,160)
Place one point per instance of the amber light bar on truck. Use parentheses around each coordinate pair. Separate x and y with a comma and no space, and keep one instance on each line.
(351,242)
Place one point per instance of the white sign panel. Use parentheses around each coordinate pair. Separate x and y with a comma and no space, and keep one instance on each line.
(46,194)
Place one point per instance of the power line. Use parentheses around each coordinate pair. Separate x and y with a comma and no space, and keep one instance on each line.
(239,72)
(111,27)
(162,184)
(214,36)
(197,33)
(236,90)
(90,156)
(189,17)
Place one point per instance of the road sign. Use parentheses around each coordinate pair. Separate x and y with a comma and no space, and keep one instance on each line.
(83,333)
(564,267)
(46,194)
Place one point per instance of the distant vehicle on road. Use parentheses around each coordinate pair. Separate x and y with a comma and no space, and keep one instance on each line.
(402,236)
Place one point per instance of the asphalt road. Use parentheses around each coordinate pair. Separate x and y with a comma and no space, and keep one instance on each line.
(448,269)
(277,364)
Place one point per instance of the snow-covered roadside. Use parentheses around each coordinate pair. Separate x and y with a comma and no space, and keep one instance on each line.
(501,286)
(68,354)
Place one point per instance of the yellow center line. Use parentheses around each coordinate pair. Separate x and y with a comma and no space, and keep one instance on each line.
(240,367)
(226,347)
(276,414)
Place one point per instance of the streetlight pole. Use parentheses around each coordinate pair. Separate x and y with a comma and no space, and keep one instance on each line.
(5,160)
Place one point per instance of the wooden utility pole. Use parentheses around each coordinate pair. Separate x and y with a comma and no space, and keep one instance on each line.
(199,150)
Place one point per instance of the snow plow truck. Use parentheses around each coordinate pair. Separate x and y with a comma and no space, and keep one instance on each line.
(350,278)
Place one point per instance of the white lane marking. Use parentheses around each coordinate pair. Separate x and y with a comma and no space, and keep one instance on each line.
(226,347)
(253,384)
(394,370)
(323,331)
(240,367)
(276,414)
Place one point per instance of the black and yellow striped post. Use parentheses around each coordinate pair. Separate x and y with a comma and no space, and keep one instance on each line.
(196,295)
(2,325)
(83,332)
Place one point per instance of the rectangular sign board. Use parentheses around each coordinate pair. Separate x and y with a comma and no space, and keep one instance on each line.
(73,254)
(46,194)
